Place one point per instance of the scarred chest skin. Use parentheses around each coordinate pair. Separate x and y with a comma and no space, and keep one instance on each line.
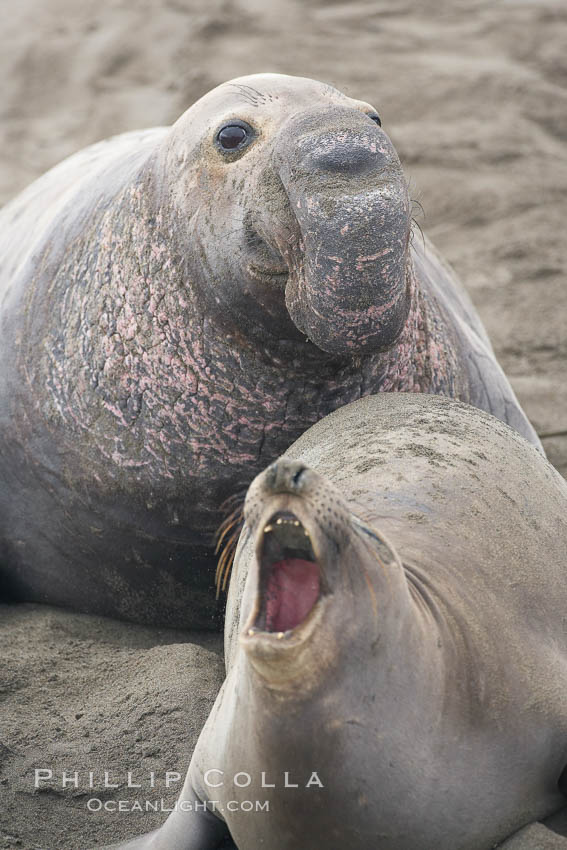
(134,375)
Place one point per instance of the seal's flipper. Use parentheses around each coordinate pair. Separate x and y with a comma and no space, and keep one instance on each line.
(196,830)
(535,836)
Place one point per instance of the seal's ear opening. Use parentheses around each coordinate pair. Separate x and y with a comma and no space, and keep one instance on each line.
(290,577)
(383,549)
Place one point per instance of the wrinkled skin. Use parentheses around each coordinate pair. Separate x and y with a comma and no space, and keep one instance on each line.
(426,688)
(174,315)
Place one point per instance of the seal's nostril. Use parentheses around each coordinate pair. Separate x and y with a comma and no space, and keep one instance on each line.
(346,156)
(284,476)
(296,478)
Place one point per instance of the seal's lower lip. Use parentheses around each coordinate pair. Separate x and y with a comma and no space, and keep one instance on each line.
(290,578)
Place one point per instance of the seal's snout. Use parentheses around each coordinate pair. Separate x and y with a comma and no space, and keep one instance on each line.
(294,571)
(286,476)
(351,154)
(348,288)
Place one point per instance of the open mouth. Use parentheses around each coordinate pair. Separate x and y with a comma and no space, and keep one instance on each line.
(291,581)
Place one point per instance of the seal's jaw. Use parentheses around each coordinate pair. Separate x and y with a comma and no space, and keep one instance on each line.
(291,588)
(290,578)
(292,617)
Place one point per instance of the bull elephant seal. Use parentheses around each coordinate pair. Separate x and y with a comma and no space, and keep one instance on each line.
(395,641)
(177,307)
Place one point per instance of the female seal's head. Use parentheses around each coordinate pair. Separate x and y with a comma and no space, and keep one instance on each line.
(317,580)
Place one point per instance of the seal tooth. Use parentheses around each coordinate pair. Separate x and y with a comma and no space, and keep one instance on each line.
(297,523)
(268,528)
(279,521)
(281,635)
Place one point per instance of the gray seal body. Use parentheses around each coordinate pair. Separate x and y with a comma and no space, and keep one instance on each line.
(176,307)
(395,641)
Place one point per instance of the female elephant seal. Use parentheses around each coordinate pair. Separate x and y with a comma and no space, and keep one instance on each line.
(396,643)
(177,306)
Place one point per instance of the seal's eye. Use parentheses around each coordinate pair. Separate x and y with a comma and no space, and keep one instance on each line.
(234,136)
(375,117)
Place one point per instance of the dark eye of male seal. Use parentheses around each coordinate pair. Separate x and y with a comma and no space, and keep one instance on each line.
(395,643)
(177,306)
(235,136)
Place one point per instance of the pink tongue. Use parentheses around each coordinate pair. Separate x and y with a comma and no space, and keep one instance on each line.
(292,591)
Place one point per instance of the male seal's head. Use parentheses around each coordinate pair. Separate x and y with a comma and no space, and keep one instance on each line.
(311,221)
(314,559)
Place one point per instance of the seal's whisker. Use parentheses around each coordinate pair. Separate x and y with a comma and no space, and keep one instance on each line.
(232,507)
(416,224)
(229,523)
(235,500)
(225,562)
(418,204)
(223,557)
(226,539)
(220,571)
(230,552)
